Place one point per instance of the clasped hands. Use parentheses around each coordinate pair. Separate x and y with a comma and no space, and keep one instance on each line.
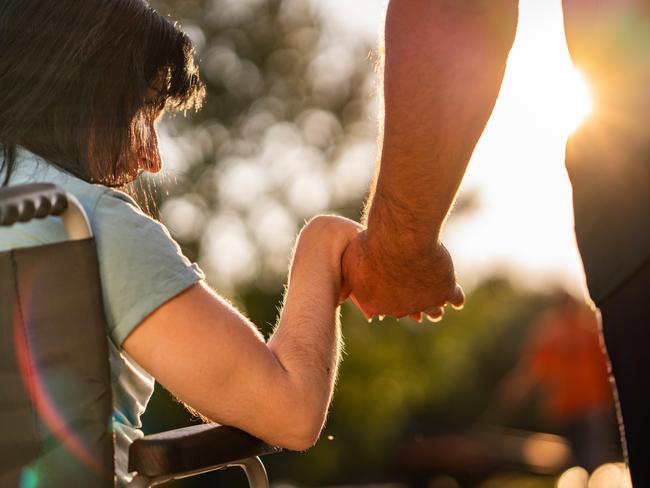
(402,280)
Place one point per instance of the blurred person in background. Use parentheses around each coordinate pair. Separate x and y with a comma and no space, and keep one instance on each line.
(444,62)
(563,358)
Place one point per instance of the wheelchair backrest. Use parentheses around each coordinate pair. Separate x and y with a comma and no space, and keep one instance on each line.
(55,384)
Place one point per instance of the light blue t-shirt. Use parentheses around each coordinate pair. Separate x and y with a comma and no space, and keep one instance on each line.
(141,267)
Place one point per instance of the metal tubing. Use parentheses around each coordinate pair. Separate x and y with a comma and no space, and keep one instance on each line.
(255,472)
(75,220)
(253,468)
(140,481)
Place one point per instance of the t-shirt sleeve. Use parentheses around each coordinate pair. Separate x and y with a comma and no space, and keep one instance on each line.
(141,266)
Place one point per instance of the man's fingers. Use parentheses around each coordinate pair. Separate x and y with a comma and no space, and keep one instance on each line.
(435,315)
(367,315)
(417,316)
(457,300)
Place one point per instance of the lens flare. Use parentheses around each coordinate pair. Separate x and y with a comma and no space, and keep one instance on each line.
(578,103)
(37,389)
(28,478)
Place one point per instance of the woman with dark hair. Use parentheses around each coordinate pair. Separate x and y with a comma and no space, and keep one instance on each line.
(82,84)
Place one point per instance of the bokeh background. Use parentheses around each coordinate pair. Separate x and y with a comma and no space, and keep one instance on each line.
(289,130)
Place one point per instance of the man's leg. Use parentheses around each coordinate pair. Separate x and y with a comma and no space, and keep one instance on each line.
(626,329)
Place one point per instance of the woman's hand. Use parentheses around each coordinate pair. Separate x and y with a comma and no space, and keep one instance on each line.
(320,247)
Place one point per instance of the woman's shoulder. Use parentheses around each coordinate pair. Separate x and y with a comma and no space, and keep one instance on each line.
(141,265)
(118,207)
(117,220)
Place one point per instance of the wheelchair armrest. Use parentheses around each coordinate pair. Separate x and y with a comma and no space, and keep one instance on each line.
(26,202)
(193,448)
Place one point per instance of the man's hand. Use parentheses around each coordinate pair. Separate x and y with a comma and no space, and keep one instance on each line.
(405,282)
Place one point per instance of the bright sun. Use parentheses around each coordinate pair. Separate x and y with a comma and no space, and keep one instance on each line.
(525,221)
(577,102)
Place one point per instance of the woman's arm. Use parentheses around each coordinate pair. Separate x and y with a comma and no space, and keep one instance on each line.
(212,358)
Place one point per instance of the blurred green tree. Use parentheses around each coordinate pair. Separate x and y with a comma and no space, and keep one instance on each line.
(288,131)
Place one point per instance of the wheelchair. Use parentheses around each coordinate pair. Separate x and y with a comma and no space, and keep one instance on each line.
(55,401)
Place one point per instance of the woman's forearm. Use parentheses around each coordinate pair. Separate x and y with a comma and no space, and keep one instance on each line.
(307,344)
(307,341)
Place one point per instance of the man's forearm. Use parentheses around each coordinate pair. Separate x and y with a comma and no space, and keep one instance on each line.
(444,63)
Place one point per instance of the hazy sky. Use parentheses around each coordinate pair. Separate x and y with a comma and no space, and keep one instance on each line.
(525,223)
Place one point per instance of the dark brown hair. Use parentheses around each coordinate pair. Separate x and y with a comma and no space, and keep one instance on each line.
(76,79)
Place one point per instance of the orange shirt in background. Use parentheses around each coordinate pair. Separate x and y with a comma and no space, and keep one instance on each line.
(567,361)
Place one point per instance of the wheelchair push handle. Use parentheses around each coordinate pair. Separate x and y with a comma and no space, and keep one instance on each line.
(23,203)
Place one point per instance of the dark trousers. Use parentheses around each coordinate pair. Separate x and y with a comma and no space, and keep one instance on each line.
(626,330)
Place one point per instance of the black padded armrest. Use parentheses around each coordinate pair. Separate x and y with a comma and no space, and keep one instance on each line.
(193,448)
(26,202)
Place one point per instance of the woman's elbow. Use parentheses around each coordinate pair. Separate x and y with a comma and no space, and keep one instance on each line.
(299,444)
(303,428)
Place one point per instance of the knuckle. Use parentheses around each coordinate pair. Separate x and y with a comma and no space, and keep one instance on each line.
(320,221)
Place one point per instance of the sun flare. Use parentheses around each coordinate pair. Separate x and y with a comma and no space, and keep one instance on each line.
(525,222)
(577,102)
